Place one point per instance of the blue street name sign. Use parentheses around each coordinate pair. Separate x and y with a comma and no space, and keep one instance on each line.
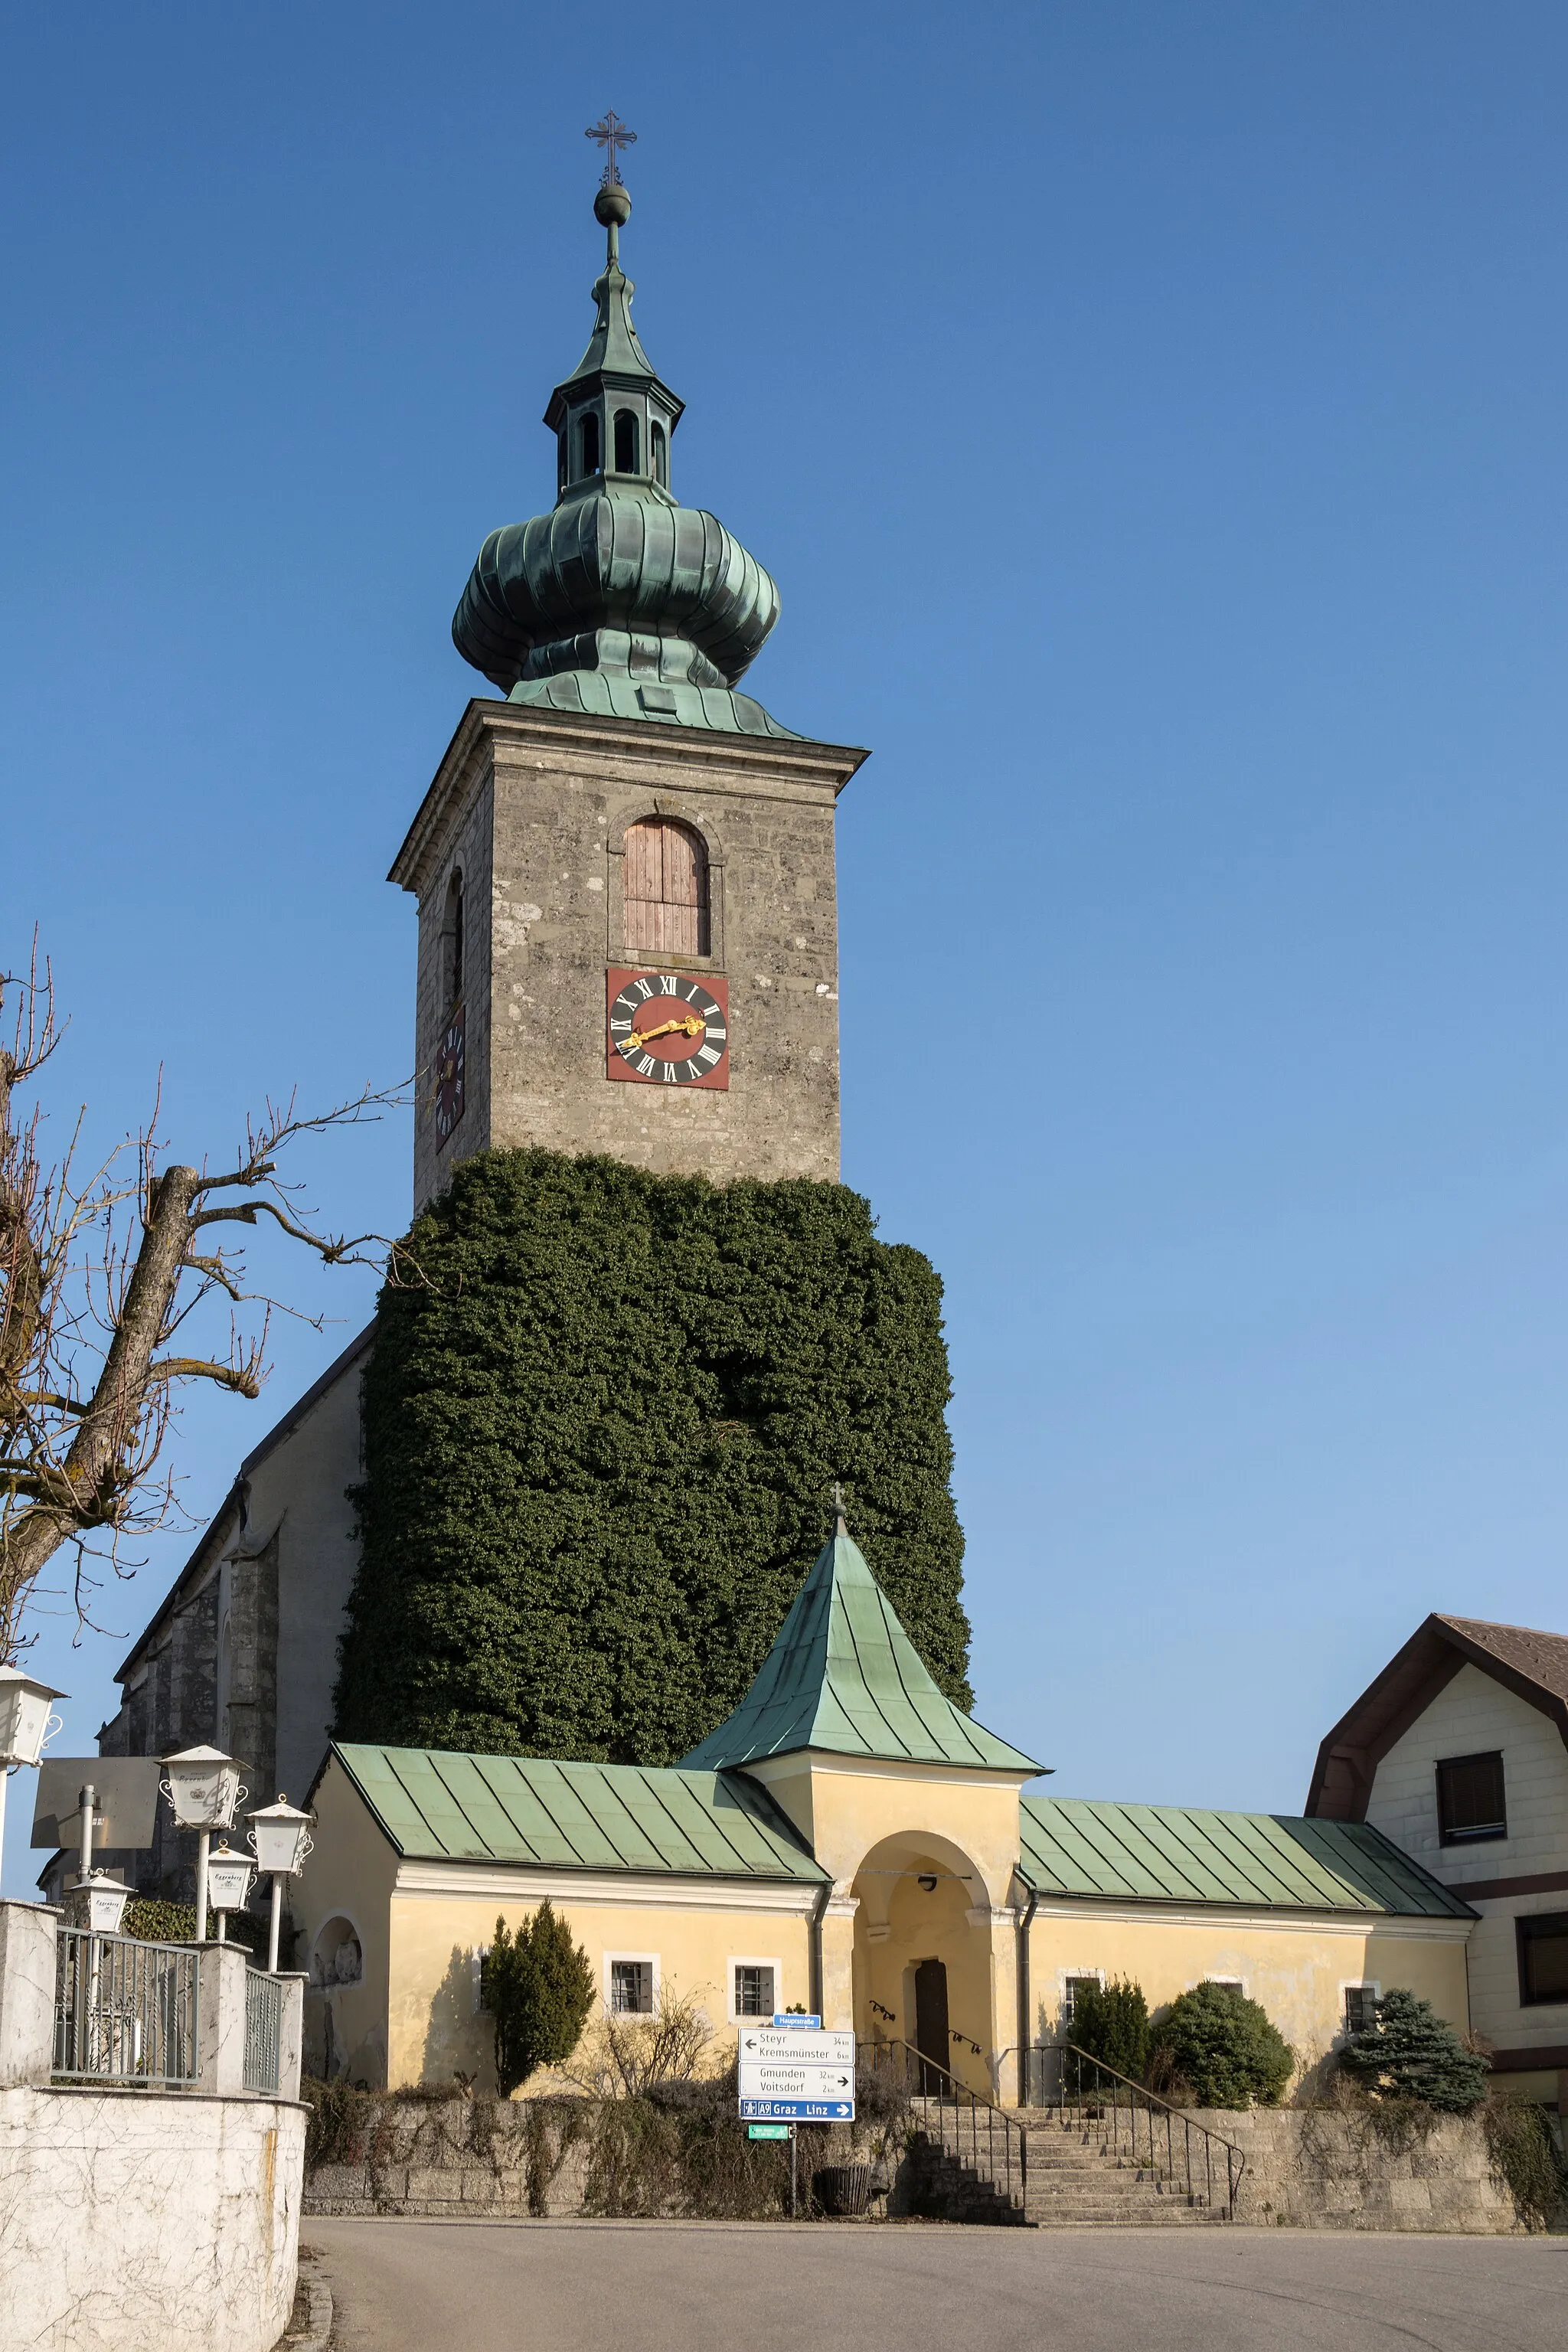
(802,2111)
(798,2016)
(770,2131)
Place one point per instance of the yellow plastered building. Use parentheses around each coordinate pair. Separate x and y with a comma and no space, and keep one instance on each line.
(848,1842)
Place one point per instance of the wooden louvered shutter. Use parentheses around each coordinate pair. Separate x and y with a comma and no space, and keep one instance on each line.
(667,891)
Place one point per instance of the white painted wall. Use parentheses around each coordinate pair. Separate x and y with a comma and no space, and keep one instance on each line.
(1470,1716)
(136,2222)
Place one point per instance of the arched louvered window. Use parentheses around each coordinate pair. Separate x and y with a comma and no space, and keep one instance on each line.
(667,891)
(660,456)
(588,442)
(452,945)
(626,442)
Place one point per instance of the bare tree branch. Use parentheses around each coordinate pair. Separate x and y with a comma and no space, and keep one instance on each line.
(92,1291)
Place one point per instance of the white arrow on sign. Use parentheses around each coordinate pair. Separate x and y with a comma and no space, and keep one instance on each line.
(767,2044)
(796,2083)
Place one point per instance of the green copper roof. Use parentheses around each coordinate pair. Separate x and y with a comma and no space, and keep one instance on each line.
(1173,1854)
(441,1807)
(652,609)
(844,1677)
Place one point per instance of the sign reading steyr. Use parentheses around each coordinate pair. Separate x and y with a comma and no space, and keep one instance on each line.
(796,2074)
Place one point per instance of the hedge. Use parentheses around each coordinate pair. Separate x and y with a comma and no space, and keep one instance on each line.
(600,1434)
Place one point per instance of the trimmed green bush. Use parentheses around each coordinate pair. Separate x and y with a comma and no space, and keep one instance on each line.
(1110,2022)
(600,1444)
(1411,2053)
(539,1987)
(152,1921)
(1219,2049)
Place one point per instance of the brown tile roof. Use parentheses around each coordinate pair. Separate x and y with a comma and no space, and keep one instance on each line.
(1533,1664)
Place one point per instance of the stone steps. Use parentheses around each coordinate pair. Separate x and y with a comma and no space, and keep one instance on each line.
(1074,2180)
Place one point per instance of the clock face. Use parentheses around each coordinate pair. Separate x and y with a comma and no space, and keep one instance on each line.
(666,1029)
(449,1079)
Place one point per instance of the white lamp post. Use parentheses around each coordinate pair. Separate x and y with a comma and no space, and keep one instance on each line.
(281,1833)
(97,1903)
(204,1789)
(25,1723)
(228,1882)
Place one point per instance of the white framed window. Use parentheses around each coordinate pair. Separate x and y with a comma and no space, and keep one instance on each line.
(1358,2005)
(631,1983)
(1070,1983)
(755,1988)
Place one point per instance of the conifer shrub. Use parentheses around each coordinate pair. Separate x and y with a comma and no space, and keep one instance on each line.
(1411,2053)
(601,1434)
(539,1987)
(1110,2022)
(1215,2048)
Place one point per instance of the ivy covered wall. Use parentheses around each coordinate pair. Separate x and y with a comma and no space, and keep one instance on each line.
(600,1445)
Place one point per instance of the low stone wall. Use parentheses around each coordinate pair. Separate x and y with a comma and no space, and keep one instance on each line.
(144,2221)
(1329,2169)
(520,2159)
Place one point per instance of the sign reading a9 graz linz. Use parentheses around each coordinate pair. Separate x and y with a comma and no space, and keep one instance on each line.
(787,2075)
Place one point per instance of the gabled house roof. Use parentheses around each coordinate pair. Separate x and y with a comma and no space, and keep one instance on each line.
(844,1677)
(1533,1665)
(1177,1854)
(438,1806)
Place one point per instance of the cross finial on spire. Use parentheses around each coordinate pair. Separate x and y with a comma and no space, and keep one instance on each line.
(612,135)
(841,1525)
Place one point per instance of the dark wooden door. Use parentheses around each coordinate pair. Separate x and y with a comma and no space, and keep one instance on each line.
(931,2018)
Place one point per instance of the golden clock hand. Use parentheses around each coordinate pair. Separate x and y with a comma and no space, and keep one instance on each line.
(692,1026)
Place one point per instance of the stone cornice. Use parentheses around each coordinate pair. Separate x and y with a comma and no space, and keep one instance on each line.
(600,1890)
(641,752)
(1412,1927)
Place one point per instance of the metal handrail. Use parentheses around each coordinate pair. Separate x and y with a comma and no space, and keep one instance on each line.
(1130,2099)
(967,2104)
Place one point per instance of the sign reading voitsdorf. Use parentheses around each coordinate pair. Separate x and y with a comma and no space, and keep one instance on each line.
(790,2076)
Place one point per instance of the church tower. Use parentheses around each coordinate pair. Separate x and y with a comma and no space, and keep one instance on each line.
(625,870)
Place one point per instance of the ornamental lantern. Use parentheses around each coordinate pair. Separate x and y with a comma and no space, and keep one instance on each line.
(97,1903)
(228,1882)
(25,1723)
(24,1716)
(204,1789)
(280,1835)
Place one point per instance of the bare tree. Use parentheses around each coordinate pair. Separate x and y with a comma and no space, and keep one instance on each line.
(97,1276)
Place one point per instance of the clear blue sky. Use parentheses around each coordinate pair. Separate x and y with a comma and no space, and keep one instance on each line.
(1154,417)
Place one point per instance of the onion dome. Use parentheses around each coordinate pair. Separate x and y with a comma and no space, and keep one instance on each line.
(620,600)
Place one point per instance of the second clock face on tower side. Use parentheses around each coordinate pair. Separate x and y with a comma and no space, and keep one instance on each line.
(449,1077)
(666,1029)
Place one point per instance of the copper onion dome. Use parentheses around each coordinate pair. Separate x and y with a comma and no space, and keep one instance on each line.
(619,600)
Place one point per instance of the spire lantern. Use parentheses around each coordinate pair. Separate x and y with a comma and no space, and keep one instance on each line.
(620,600)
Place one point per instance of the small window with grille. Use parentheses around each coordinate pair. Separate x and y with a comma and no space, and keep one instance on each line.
(753,1988)
(1470,1801)
(631,1987)
(1542,1958)
(1361,2007)
(1071,1988)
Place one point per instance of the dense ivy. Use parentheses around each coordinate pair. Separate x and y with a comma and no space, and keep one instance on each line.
(600,1442)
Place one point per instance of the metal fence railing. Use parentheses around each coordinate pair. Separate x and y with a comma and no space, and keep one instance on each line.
(1128,2120)
(125,2012)
(991,2142)
(263,2032)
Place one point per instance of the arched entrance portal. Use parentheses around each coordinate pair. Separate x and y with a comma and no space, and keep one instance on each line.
(923,1972)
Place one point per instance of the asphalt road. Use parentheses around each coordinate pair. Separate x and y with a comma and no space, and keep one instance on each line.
(654,2287)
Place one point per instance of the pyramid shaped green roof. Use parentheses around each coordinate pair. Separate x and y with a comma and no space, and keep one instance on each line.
(845,1677)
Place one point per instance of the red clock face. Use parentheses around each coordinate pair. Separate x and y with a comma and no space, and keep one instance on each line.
(449,1079)
(666,1029)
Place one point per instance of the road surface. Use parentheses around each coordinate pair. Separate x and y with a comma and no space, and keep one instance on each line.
(656,2287)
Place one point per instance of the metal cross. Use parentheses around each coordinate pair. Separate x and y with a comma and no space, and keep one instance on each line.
(612,135)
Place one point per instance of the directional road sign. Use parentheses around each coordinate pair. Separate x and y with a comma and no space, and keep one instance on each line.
(804,2111)
(765,2045)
